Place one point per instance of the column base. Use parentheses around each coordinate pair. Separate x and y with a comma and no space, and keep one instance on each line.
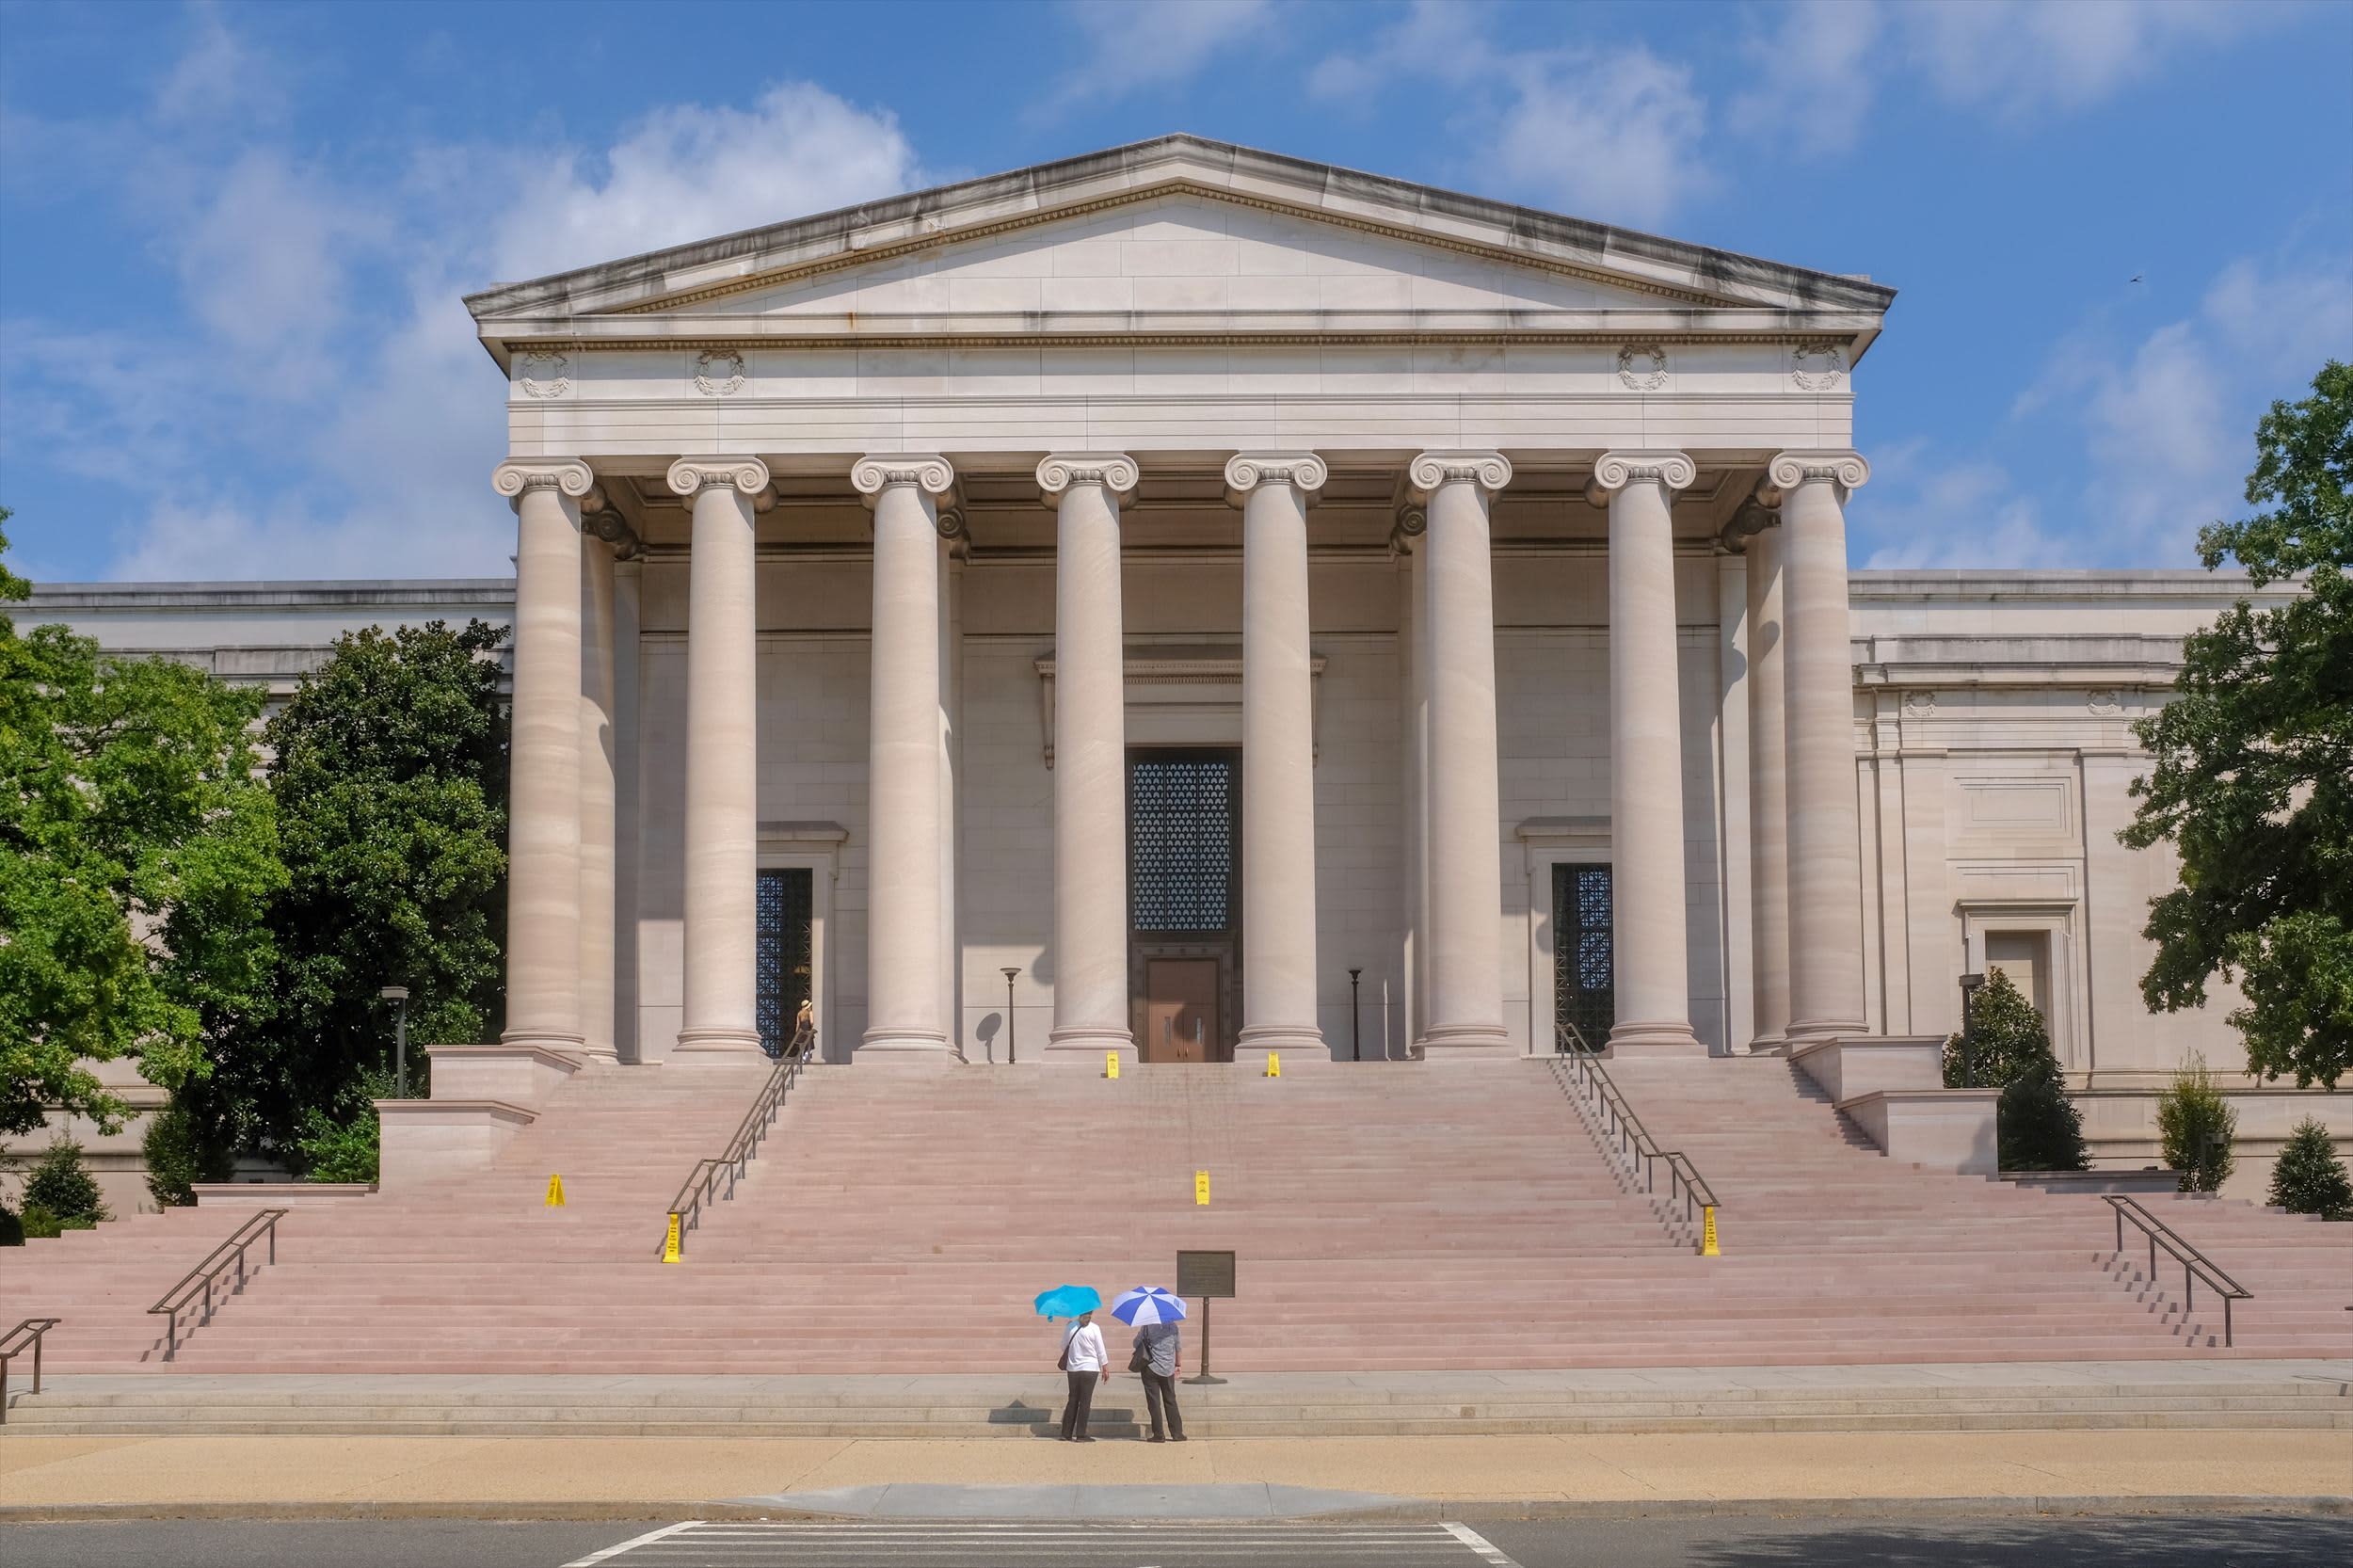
(1660,1037)
(1084,1045)
(1466,1043)
(1293,1041)
(542,1039)
(601,1055)
(716,1044)
(1769,1045)
(1814,1032)
(902,1042)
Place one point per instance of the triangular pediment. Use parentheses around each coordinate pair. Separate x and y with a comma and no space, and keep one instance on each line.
(1179,234)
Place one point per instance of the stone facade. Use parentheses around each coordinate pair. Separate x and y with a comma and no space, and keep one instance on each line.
(878,539)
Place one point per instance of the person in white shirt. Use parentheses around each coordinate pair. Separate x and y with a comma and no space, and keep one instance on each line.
(1085,1358)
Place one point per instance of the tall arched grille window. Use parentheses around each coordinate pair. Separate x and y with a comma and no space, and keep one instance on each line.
(1584,994)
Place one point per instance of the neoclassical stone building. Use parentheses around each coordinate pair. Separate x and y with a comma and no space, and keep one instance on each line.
(1184,600)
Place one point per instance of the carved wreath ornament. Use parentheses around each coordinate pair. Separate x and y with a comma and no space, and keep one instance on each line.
(1642,366)
(543,373)
(719,373)
(1816,366)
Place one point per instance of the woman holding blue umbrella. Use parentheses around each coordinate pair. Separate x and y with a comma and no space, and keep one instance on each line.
(1083,1357)
(1157,1355)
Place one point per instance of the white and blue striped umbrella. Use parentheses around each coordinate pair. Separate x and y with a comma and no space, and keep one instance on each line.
(1148,1304)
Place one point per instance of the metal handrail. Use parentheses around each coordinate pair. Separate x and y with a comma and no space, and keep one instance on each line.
(13,1344)
(2194,1264)
(201,1278)
(1626,1129)
(687,1207)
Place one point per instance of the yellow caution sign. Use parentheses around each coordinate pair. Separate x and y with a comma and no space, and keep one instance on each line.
(1707,1232)
(1275,1064)
(670,1243)
(1110,1064)
(1201,1187)
(555,1191)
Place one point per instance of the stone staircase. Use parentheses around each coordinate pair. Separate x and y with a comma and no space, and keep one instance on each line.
(1388,1219)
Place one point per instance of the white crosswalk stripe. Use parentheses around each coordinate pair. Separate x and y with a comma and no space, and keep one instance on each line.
(715,1544)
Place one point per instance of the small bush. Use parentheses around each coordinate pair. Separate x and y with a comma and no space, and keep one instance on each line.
(2310,1178)
(2007,1037)
(177,1158)
(62,1186)
(340,1151)
(2040,1128)
(41,1225)
(2195,1126)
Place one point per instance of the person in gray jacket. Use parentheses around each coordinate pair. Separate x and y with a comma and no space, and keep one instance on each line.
(1162,1351)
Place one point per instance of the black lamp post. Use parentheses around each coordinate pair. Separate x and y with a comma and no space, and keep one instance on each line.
(398,996)
(1355,1019)
(1010,1053)
(1969,983)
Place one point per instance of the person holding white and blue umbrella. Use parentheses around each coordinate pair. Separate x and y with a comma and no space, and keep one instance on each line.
(1157,1355)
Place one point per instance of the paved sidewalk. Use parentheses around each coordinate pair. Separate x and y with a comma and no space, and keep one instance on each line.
(601,1476)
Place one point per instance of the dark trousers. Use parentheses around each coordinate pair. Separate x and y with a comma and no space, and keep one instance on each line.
(1074,1415)
(1159,1396)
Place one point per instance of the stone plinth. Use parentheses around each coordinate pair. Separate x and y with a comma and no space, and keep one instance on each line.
(515,1075)
(432,1138)
(1937,1130)
(1859,1064)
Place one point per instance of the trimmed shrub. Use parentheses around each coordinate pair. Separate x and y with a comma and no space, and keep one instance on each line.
(2038,1127)
(177,1158)
(340,1151)
(2195,1126)
(2008,1037)
(11,1228)
(60,1186)
(2310,1178)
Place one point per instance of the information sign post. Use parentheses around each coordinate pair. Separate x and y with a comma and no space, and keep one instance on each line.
(1208,1275)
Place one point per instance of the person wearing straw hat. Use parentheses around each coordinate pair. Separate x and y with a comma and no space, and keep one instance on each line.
(1087,1362)
(1156,1355)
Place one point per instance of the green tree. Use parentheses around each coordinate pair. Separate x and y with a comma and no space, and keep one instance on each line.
(2253,780)
(138,850)
(11,585)
(178,1155)
(59,1188)
(389,770)
(2195,1126)
(2310,1178)
(2006,1037)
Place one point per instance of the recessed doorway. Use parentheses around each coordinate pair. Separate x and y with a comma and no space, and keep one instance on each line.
(1184,865)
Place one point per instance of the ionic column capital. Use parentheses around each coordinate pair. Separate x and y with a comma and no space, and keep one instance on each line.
(1303,471)
(691,474)
(1114,471)
(1427,473)
(878,472)
(1614,470)
(568,475)
(1847,470)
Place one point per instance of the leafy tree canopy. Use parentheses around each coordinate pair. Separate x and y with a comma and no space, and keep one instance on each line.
(2253,779)
(138,849)
(389,768)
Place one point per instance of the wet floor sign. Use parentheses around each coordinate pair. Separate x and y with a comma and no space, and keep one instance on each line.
(1201,1189)
(555,1191)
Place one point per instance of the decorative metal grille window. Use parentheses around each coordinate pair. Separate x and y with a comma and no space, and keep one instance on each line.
(780,953)
(1584,984)
(1181,815)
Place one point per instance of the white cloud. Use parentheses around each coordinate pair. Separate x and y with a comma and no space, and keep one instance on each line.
(2020,58)
(1814,77)
(1967,513)
(1133,45)
(326,409)
(1615,135)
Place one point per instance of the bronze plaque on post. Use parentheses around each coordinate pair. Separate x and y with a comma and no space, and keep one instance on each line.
(1205,1273)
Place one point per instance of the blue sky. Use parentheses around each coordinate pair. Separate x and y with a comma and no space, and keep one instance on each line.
(232,237)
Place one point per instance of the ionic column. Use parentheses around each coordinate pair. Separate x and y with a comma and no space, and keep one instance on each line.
(721,868)
(1464,1016)
(544,811)
(1817,674)
(904,812)
(1647,926)
(599,756)
(1278,781)
(1769,794)
(1090,956)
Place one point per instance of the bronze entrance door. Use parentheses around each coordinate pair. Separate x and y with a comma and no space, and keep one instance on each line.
(1184,900)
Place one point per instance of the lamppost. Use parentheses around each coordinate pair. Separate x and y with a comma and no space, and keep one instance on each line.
(1012,1052)
(1969,983)
(1355,1019)
(398,996)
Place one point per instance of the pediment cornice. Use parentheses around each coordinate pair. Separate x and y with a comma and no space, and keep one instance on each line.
(1689,282)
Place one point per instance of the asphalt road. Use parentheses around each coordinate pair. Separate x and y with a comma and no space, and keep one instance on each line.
(2208,1541)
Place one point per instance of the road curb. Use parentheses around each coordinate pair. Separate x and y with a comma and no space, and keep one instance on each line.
(1466,1510)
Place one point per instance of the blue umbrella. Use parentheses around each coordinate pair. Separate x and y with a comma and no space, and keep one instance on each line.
(1068,1301)
(1148,1304)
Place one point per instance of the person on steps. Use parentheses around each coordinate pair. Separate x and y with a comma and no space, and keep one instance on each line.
(1162,1354)
(804,1031)
(1087,1362)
